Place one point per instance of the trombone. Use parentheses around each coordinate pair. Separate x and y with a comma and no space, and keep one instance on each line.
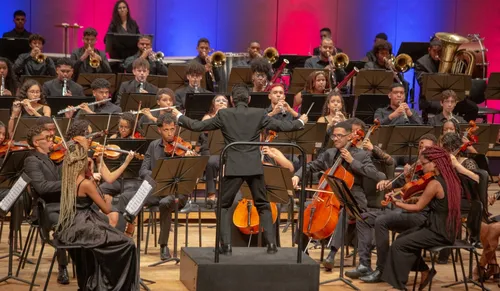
(399,64)
(217,60)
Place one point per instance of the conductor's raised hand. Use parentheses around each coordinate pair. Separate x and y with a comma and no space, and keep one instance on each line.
(304,118)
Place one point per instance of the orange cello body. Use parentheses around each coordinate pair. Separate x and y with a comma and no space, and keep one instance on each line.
(246,217)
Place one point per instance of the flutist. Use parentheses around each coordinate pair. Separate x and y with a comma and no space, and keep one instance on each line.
(100,91)
(63,85)
(398,112)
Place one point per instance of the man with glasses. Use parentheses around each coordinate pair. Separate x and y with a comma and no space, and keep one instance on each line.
(100,91)
(83,55)
(262,72)
(145,52)
(356,161)
(140,83)
(63,85)
(46,182)
(194,74)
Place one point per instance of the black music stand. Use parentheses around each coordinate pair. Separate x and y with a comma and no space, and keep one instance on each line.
(317,109)
(122,46)
(306,138)
(6,102)
(177,77)
(4,114)
(299,78)
(215,142)
(11,48)
(404,140)
(434,84)
(261,99)
(494,137)
(350,207)
(197,104)
(381,136)
(99,122)
(130,101)
(159,81)
(86,79)
(58,103)
(175,176)
(373,82)
(39,79)
(239,75)
(28,122)
(152,132)
(367,104)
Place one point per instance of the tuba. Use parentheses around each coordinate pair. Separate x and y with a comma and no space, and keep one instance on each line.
(271,54)
(453,60)
(218,59)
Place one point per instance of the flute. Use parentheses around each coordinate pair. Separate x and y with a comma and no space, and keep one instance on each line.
(151,110)
(31,100)
(80,106)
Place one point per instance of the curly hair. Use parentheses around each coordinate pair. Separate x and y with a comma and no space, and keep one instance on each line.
(261,65)
(10,80)
(455,124)
(450,141)
(311,79)
(326,110)
(382,45)
(79,127)
(32,132)
(23,91)
(130,119)
(194,68)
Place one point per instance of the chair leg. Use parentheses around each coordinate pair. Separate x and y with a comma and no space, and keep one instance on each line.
(453,257)
(155,230)
(37,265)
(36,241)
(463,271)
(24,254)
(1,229)
(433,262)
(50,270)
(199,225)
(477,264)
(187,227)
(416,276)
(147,232)
(20,239)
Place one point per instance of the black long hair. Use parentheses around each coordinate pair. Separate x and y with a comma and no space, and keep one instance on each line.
(10,80)
(116,20)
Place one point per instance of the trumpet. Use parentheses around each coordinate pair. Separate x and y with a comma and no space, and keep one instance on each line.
(40,58)
(93,61)
(80,106)
(271,54)
(151,110)
(156,56)
(217,59)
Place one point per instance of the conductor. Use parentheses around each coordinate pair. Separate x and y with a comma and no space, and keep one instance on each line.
(243,162)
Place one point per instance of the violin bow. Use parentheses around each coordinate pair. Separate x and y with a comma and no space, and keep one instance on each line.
(104,144)
(136,119)
(175,140)
(60,132)
(12,138)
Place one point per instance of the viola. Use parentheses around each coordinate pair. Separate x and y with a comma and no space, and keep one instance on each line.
(58,151)
(410,191)
(246,217)
(111,151)
(321,216)
(14,146)
(178,147)
(373,128)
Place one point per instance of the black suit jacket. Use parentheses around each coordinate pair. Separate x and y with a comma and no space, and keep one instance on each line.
(241,123)
(425,65)
(45,177)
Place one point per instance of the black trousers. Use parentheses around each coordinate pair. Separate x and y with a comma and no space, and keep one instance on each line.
(52,215)
(167,206)
(231,186)
(211,172)
(365,235)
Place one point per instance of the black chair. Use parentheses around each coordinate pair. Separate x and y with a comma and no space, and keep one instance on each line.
(473,230)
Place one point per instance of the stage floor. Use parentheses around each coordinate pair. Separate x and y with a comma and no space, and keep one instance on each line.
(167,275)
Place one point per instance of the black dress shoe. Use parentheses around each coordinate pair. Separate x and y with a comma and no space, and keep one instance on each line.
(62,277)
(432,273)
(164,253)
(329,261)
(226,249)
(360,271)
(373,277)
(272,248)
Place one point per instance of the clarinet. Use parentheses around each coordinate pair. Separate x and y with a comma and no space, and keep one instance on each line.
(2,88)
(141,86)
(65,87)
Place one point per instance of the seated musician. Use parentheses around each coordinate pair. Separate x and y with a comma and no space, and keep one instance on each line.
(63,85)
(448,103)
(145,52)
(3,142)
(333,110)
(100,91)
(167,125)
(317,83)
(253,54)
(126,125)
(322,60)
(19,30)
(398,112)
(121,21)
(194,74)
(203,48)
(358,162)
(87,56)
(325,32)
(376,152)
(279,108)
(453,127)
(370,56)
(9,79)
(164,98)
(139,84)
(382,51)
(261,74)
(46,183)
(35,63)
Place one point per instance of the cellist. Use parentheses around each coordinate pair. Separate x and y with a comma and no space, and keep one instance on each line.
(356,161)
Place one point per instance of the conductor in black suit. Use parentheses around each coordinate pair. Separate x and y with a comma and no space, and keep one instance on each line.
(243,163)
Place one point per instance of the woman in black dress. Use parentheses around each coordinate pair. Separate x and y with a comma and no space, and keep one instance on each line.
(111,262)
(442,196)
(122,22)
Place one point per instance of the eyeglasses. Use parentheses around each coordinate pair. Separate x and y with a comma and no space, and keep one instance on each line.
(220,100)
(34,92)
(339,136)
(47,138)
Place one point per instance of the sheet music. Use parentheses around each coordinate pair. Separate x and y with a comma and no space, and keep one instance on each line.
(13,194)
(135,204)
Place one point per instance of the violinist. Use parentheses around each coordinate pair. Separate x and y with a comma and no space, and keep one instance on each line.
(279,108)
(262,72)
(140,83)
(164,98)
(376,152)
(452,142)
(356,161)
(317,83)
(126,127)
(100,91)
(448,104)
(453,127)
(8,81)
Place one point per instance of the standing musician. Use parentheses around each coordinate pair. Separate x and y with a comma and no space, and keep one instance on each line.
(89,59)
(279,108)
(35,63)
(194,74)
(164,98)
(8,81)
(63,85)
(100,91)
(19,30)
(317,83)
(242,123)
(397,112)
(203,58)
(448,103)
(324,33)
(370,56)
(358,162)
(262,72)
(253,54)
(327,49)
(145,52)
(157,151)
(139,84)
(121,21)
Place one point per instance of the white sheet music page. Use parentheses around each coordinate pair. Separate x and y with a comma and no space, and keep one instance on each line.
(134,206)
(13,194)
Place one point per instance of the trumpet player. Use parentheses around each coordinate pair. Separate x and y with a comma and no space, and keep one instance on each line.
(398,112)
(100,91)
(145,52)
(63,85)
(87,58)
(203,48)
(35,63)
(279,108)
(139,84)
(326,50)
(325,32)
(253,53)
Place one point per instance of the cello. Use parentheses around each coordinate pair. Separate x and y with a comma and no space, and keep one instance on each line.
(321,216)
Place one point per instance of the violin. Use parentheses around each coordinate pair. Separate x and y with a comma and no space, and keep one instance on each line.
(14,146)
(271,135)
(178,147)
(58,151)
(111,151)
(469,135)
(321,216)
(411,191)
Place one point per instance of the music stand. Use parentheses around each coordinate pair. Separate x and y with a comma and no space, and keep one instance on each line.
(159,81)
(175,176)
(86,79)
(367,104)
(434,84)
(130,101)
(4,114)
(373,82)
(215,142)
(28,122)
(39,79)
(381,136)
(121,46)
(415,50)
(350,207)
(299,78)
(494,138)
(305,138)
(317,109)
(58,103)
(197,104)
(177,77)
(6,102)
(404,139)
(261,99)
(239,75)
(99,122)
(11,48)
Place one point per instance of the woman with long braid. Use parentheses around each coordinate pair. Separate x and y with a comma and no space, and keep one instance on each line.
(111,262)
(442,196)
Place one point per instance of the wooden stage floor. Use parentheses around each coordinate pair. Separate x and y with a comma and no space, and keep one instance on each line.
(167,276)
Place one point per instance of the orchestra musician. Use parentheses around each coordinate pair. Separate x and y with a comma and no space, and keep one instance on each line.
(63,85)
(453,127)
(242,123)
(125,126)
(19,30)
(121,21)
(262,72)
(279,108)
(253,54)
(317,83)
(35,63)
(87,56)
(203,48)
(448,103)
(322,60)
(370,55)
(145,52)
(100,91)
(164,98)
(167,126)
(333,110)
(376,152)
(325,32)
(194,74)
(398,112)
(8,79)
(3,141)
(140,83)
(357,161)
